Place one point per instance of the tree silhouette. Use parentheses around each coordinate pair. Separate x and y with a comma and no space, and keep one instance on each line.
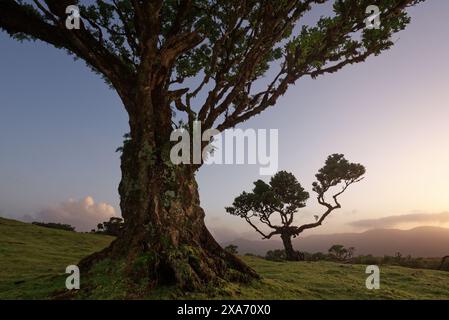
(113,227)
(339,252)
(275,204)
(232,248)
(194,60)
(281,199)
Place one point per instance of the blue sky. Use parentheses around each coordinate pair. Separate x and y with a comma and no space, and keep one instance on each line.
(60,125)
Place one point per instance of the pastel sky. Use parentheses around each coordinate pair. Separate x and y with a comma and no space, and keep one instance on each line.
(60,126)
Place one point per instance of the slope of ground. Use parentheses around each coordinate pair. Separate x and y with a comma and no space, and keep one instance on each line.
(33,261)
(29,255)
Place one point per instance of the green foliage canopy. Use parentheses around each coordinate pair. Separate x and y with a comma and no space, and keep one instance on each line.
(205,55)
(284,195)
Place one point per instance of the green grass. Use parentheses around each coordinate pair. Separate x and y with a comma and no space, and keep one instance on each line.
(33,261)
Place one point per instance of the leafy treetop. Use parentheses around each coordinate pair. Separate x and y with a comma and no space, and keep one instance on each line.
(205,55)
(284,195)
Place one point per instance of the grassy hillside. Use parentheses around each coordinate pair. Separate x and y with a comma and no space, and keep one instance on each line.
(33,261)
(30,256)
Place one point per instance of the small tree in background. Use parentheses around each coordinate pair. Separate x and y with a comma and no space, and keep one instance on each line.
(275,255)
(283,196)
(232,248)
(113,227)
(275,204)
(54,225)
(339,252)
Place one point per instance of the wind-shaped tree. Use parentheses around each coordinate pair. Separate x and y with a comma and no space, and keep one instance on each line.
(199,58)
(275,204)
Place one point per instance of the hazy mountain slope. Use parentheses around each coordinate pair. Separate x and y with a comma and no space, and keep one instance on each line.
(421,242)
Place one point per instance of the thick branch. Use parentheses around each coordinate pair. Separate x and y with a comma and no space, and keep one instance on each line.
(17,19)
(255,228)
(315,224)
(333,37)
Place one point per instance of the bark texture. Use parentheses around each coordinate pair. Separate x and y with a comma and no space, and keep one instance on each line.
(164,238)
(290,253)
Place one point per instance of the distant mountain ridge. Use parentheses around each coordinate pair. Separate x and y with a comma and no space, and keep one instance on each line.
(418,242)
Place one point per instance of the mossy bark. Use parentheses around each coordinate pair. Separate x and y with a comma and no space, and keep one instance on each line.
(164,239)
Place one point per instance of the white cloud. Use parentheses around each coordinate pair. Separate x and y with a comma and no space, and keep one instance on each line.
(83,214)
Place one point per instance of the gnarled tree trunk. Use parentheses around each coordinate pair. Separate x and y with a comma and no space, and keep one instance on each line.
(164,237)
(290,253)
